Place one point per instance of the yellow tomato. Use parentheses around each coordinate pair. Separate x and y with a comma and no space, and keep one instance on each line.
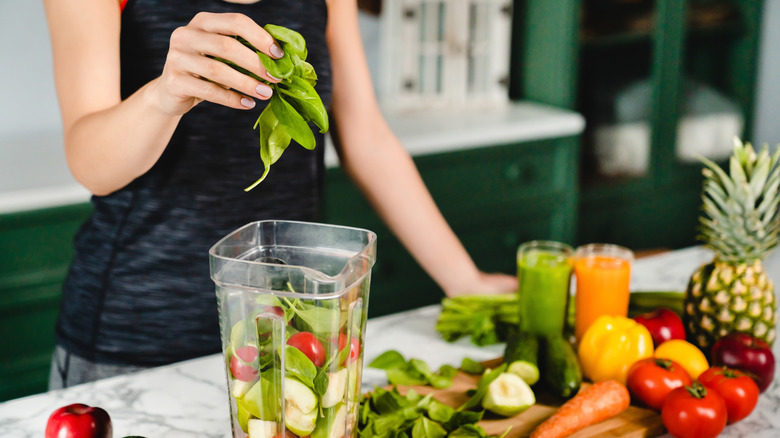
(684,353)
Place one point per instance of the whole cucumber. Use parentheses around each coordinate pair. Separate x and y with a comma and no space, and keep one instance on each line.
(521,355)
(562,374)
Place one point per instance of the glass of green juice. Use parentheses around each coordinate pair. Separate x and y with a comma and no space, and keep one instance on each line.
(544,271)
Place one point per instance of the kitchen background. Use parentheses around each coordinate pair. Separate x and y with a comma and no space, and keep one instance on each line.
(501,176)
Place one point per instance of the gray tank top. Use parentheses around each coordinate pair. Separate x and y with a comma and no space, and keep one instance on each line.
(138,291)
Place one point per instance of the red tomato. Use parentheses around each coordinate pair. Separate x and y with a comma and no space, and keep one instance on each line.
(310,346)
(354,347)
(694,412)
(651,380)
(243,363)
(739,391)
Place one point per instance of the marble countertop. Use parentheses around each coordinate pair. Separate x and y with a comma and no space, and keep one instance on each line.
(190,399)
(33,172)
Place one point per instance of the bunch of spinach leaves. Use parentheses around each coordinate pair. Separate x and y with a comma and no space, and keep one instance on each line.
(413,372)
(388,414)
(294,102)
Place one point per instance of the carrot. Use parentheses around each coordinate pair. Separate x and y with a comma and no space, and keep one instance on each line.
(599,402)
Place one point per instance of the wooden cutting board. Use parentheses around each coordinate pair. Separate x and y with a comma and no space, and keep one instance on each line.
(635,422)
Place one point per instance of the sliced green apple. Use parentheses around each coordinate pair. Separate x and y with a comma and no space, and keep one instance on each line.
(242,415)
(262,428)
(337,383)
(333,425)
(508,395)
(240,388)
(261,400)
(300,423)
(298,395)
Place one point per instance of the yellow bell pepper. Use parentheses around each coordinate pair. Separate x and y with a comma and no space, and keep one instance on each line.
(611,345)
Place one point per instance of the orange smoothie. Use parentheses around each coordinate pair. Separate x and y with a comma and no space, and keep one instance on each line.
(602,289)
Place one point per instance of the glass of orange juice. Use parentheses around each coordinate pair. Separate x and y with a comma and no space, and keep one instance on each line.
(603,274)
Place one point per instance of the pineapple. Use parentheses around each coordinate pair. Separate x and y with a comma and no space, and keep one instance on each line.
(740,225)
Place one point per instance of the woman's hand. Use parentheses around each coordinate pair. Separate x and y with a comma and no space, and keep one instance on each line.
(191,74)
(485,283)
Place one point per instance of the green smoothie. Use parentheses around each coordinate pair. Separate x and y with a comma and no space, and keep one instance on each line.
(544,274)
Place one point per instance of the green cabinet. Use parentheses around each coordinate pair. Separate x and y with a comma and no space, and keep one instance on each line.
(570,53)
(494,198)
(36,250)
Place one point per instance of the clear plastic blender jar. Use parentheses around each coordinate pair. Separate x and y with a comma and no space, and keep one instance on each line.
(293,299)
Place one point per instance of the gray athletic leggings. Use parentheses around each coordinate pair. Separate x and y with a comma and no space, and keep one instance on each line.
(68,369)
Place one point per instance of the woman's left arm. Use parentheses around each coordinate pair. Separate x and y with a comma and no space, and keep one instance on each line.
(383,170)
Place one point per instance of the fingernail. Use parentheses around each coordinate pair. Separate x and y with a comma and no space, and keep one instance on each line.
(247,102)
(264,90)
(273,78)
(276,51)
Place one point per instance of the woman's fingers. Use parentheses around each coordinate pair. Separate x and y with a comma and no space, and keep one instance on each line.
(189,40)
(241,25)
(222,74)
(201,90)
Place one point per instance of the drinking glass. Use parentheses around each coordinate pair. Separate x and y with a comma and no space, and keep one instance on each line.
(544,272)
(603,276)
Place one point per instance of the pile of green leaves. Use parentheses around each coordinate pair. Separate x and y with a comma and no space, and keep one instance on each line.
(388,414)
(412,372)
(487,319)
(294,102)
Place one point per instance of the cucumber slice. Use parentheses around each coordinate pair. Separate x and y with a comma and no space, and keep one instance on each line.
(525,370)
(508,395)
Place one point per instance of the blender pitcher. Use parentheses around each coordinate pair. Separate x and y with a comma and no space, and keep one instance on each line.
(293,299)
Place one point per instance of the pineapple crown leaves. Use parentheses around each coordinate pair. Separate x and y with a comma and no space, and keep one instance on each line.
(741,221)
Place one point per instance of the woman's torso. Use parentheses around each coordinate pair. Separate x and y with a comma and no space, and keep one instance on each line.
(138,291)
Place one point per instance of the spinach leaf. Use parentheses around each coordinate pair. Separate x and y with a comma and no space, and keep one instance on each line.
(300,366)
(388,360)
(293,39)
(292,121)
(321,382)
(274,139)
(413,372)
(471,366)
(306,101)
(426,428)
(279,68)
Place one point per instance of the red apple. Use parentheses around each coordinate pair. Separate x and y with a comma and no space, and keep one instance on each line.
(243,363)
(746,353)
(79,421)
(663,325)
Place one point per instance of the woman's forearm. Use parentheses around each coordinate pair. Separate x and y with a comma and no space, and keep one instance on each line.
(390,181)
(108,149)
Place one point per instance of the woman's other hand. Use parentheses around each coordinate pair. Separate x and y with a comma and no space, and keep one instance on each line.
(485,283)
(191,74)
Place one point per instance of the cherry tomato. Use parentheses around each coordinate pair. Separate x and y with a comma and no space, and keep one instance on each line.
(739,391)
(651,380)
(354,347)
(310,346)
(243,363)
(694,412)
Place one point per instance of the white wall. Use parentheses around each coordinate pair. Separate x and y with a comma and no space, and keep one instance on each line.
(27,98)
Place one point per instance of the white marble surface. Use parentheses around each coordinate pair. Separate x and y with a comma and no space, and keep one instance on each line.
(189,399)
